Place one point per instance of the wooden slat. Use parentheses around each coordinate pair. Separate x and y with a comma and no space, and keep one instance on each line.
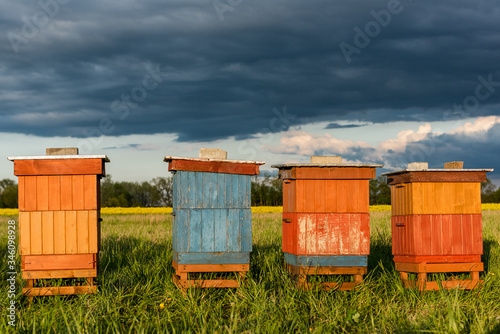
(333,173)
(90,192)
(66,192)
(78,192)
(60,291)
(59,262)
(59,232)
(36,233)
(207,268)
(82,227)
(24,233)
(439,267)
(48,232)
(207,230)
(195,230)
(42,193)
(246,229)
(233,231)
(30,202)
(437,258)
(73,273)
(430,176)
(71,232)
(54,193)
(58,167)
(214,167)
(94,234)
(21,193)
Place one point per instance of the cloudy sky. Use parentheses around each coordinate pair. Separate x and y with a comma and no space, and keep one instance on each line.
(373,81)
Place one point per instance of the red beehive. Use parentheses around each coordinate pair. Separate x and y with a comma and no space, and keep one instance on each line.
(437,222)
(326,220)
(59,218)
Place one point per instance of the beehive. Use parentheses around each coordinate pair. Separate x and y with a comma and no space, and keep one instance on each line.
(437,222)
(326,220)
(212,228)
(59,218)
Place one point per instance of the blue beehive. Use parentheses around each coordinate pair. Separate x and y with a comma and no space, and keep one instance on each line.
(212,228)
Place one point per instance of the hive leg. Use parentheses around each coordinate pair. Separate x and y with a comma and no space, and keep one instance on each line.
(422,279)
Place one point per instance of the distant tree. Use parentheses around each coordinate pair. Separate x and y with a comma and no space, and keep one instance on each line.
(488,192)
(267,191)
(380,192)
(164,190)
(8,194)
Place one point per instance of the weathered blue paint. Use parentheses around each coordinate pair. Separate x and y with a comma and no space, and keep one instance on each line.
(212,214)
(326,260)
(212,258)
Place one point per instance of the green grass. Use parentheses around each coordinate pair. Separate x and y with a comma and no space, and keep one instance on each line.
(136,281)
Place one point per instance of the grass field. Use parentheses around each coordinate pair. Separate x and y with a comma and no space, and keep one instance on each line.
(137,294)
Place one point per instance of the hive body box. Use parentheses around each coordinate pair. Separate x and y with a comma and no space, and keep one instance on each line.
(59,219)
(326,220)
(437,223)
(212,228)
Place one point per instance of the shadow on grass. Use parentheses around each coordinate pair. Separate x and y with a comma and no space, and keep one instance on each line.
(380,254)
(488,244)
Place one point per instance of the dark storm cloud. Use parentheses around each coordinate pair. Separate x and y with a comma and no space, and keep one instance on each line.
(224,78)
(343,126)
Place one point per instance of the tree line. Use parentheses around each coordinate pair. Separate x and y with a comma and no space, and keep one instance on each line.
(266,190)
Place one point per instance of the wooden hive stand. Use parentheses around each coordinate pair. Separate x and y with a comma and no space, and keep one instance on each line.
(183,271)
(422,269)
(301,274)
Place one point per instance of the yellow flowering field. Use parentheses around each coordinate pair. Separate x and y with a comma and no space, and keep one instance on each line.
(255,209)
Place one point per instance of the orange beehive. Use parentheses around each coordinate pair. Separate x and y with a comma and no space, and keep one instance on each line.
(326,220)
(59,218)
(437,222)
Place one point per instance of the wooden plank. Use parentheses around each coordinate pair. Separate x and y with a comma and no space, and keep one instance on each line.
(182,232)
(24,233)
(432,176)
(477,234)
(214,167)
(90,192)
(220,227)
(233,231)
(221,186)
(288,235)
(21,193)
(439,267)
(209,268)
(319,196)
(189,191)
(59,262)
(194,230)
(334,173)
(311,234)
(456,235)
(228,202)
(59,232)
(326,260)
(214,191)
(67,192)
(437,258)
(54,193)
(300,199)
(334,233)
(30,202)
(82,227)
(71,232)
(322,233)
(364,246)
(225,283)
(447,227)
(213,258)
(437,235)
(47,232)
(42,193)
(58,167)
(344,223)
(246,230)
(236,191)
(60,291)
(36,233)
(354,234)
(72,273)
(94,233)
(467,234)
(207,230)
(78,192)
(342,190)
(205,191)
